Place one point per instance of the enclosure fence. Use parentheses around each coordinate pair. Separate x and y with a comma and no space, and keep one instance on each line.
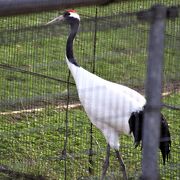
(45,133)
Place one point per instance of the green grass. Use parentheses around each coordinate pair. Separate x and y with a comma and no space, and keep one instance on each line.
(45,53)
(32,143)
(121,51)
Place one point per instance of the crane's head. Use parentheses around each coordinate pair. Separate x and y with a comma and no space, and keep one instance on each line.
(70,16)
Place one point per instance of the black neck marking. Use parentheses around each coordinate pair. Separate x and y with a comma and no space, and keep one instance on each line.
(74,24)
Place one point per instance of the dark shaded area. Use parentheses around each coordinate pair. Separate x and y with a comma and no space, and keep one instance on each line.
(17,175)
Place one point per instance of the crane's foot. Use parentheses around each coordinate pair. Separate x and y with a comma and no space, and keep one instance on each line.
(106,162)
(122,165)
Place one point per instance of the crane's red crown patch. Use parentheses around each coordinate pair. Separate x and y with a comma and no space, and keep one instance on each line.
(71,10)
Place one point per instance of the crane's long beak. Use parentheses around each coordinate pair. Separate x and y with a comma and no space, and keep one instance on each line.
(56,20)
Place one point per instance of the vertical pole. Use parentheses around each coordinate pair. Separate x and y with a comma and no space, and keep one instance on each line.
(93,71)
(95,39)
(64,151)
(151,127)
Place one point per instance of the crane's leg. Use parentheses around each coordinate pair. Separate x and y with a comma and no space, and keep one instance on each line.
(123,168)
(106,162)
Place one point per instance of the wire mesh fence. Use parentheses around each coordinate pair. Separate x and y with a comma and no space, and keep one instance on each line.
(45,133)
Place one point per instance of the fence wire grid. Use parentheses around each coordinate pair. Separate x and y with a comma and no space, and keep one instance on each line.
(37,96)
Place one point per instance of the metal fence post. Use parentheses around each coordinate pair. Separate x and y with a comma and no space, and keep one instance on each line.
(153,93)
(91,170)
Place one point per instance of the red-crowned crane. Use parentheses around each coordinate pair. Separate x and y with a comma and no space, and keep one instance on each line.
(113,108)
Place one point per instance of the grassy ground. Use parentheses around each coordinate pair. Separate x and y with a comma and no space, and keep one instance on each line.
(33,142)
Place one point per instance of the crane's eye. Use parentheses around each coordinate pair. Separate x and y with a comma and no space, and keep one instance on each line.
(66,14)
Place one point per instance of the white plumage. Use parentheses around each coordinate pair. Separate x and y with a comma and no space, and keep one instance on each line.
(108,105)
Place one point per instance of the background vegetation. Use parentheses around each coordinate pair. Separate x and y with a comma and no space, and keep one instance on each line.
(32,143)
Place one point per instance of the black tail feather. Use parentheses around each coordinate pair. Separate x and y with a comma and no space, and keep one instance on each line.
(136,127)
(165,140)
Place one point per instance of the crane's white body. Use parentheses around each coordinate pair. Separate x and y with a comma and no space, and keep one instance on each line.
(107,104)
(111,107)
